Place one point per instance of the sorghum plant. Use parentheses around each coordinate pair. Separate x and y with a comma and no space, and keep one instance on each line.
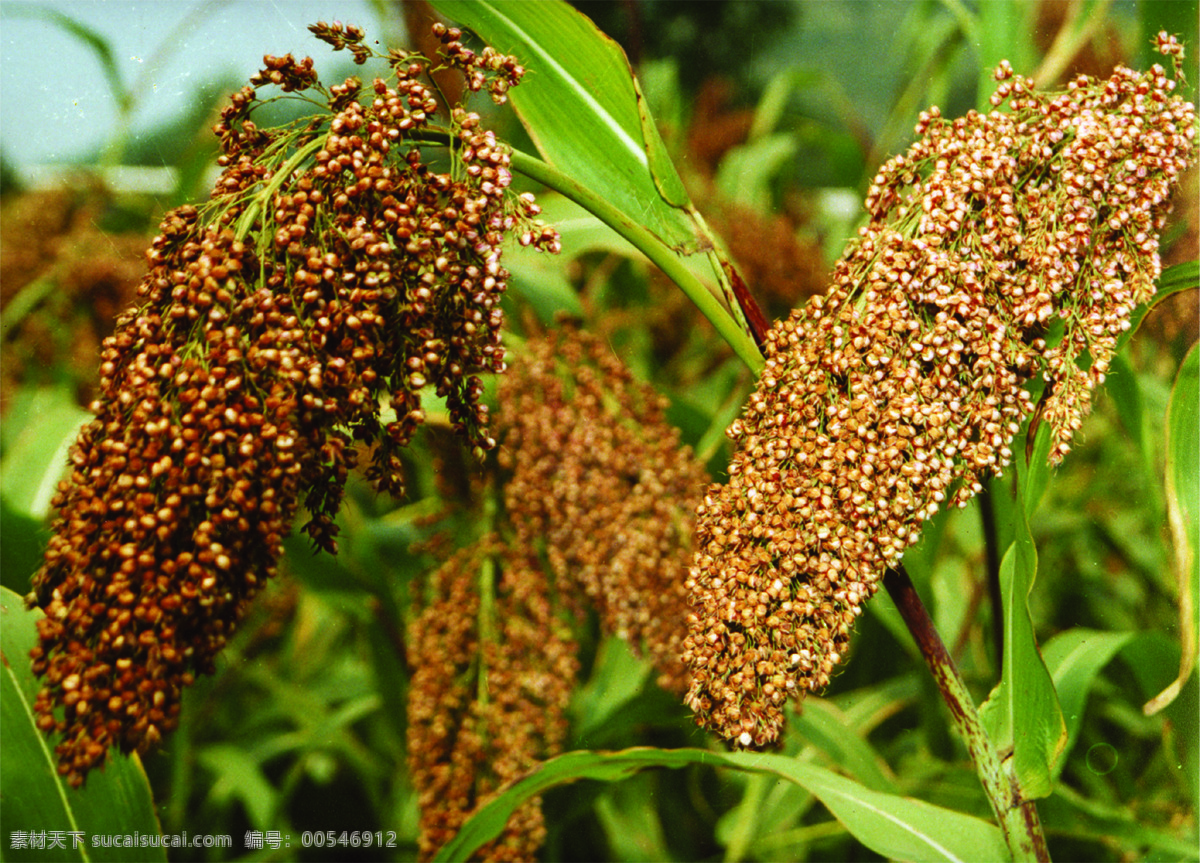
(333,267)
(494,670)
(290,327)
(602,487)
(1002,249)
(597,498)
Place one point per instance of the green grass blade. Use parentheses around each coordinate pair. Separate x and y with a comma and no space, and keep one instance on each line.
(898,828)
(582,109)
(1022,715)
(1075,659)
(1183,507)
(1180,277)
(35,455)
(827,728)
(1004,33)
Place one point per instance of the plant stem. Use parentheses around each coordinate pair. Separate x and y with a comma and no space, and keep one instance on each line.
(643,239)
(649,245)
(1071,38)
(263,199)
(1018,818)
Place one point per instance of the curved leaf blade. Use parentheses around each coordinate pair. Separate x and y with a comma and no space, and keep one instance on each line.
(899,828)
(1022,715)
(828,729)
(35,457)
(1180,277)
(1074,659)
(115,801)
(1183,513)
(582,109)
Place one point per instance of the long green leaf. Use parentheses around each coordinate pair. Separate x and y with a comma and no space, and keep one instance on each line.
(747,170)
(1079,817)
(21,549)
(824,726)
(1183,513)
(617,677)
(1074,659)
(898,828)
(1180,277)
(1022,715)
(115,801)
(580,105)
(674,265)
(1002,32)
(36,458)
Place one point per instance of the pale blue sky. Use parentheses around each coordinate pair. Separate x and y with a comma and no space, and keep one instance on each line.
(55,103)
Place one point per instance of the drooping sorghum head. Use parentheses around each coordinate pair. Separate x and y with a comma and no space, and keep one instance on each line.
(494,669)
(333,267)
(1000,249)
(600,479)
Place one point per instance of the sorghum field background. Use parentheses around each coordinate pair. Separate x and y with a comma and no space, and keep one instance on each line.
(777,115)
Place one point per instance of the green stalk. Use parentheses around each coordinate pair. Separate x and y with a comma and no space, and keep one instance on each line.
(643,239)
(486,624)
(649,245)
(1018,817)
(1072,37)
(246,222)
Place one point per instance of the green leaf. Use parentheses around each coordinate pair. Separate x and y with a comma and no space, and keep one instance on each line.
(1002,32)
(1181,277)
(746,172)
(618,677)
(239,776)
(771,106)
(21,551)
(820,730)
(35,459)
(898,828)
(1037,472)
(1072,814)
(580,230)
(1121,384)
(115,801)
(542,279)
(827,728)
(662,166)
(740,826)
(1074,659)
(1022,715)
(631,822)
(1183,509)
(582,109)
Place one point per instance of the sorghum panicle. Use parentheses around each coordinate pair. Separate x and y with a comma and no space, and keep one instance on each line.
(271,323)
(489,693)
(601,481)
(1000,248)
(598,503)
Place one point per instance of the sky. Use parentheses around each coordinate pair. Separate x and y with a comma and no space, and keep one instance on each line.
(55,101)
